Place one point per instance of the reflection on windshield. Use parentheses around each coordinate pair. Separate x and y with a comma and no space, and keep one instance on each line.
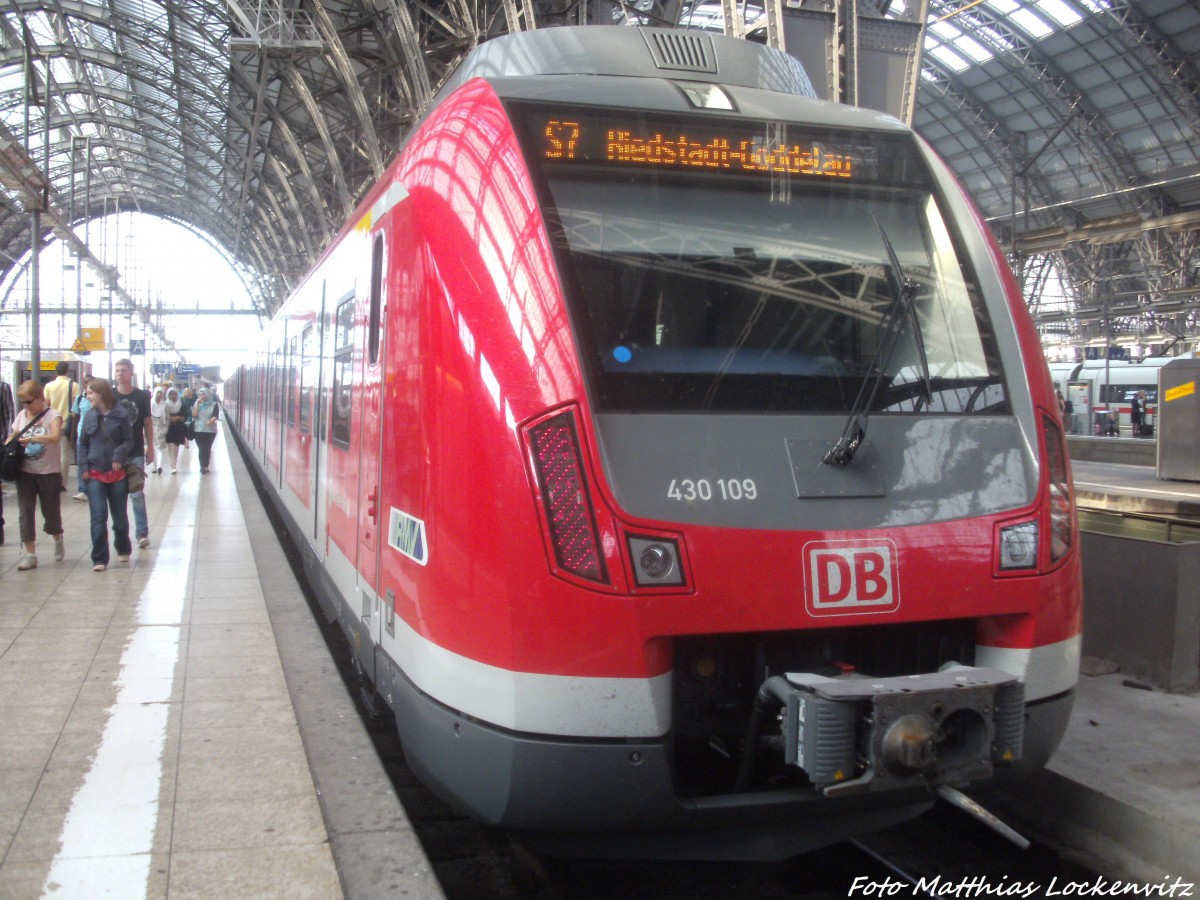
(710,293)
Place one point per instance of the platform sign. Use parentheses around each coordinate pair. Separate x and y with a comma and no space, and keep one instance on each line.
(160,370)
(1184,390)
(89,339)
(187,370)
(137,347)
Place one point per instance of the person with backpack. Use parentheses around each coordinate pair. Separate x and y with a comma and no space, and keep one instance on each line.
(38,427)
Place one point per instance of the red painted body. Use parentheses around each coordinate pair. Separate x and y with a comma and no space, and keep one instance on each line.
(475,345)
(478,343)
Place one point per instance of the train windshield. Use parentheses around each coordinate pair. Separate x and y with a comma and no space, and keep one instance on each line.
(738,266)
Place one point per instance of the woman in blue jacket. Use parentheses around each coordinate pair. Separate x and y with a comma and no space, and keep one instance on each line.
(105,441)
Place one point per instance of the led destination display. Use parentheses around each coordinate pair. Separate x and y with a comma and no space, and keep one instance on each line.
(761,150)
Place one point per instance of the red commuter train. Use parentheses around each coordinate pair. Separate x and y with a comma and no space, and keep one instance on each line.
(678,454)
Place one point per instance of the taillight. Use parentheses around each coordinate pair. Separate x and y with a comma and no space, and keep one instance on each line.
(1060,490)
(558,467)
(1021,546)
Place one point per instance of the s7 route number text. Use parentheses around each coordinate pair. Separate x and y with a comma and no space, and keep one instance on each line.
(688,490)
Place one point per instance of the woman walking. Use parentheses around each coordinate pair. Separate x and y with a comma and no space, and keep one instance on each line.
(187,401)
(40,478)
(162,421)
(176,431)
(204,424)
(105,442)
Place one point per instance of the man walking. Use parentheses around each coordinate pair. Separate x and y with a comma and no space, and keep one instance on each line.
(137,407)
(60,394)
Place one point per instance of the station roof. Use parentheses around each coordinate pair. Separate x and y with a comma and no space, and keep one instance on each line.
(262,126)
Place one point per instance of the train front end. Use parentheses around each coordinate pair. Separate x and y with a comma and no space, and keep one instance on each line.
(806,548)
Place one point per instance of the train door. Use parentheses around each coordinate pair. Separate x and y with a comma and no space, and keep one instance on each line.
(276,391)
(371,514)
(262,416)
(315,379)
(341,464)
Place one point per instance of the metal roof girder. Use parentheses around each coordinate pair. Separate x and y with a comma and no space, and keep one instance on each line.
(410,43)
(301,89)
(351,87)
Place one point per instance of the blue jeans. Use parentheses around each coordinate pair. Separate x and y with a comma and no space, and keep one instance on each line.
(101,499)
(141,524)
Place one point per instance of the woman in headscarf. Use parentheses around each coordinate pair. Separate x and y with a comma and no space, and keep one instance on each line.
(204,424)
(188,400)
(176,432)
(162,421)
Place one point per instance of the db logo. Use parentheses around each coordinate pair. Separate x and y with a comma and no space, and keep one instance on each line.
(842,578)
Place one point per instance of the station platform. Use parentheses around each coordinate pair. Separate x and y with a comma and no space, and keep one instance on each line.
(1132,488)
(1123,790)
(174,727)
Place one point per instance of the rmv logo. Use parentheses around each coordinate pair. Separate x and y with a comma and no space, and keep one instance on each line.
(407,534)
(842,578)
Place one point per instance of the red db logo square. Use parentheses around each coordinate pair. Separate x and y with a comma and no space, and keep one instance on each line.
(843,578)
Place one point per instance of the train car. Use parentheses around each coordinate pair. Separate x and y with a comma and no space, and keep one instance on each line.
(1100,388)
(678,454)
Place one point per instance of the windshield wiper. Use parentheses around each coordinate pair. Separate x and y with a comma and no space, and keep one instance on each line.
(904,292)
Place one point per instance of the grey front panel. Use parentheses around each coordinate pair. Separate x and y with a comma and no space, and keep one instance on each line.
(765,471)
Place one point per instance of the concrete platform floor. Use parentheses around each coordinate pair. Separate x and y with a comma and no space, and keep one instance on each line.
(1123,790)
(149,744)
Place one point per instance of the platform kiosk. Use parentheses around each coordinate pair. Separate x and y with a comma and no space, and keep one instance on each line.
(80,369)
(1179,420)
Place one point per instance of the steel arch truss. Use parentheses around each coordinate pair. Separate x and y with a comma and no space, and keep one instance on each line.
(262,125)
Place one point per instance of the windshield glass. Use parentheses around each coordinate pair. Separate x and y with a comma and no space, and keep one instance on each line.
(736,265)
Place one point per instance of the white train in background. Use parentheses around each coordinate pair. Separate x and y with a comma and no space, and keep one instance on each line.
(1097,388)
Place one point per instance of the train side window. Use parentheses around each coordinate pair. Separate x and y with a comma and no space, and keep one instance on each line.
(343,337)
(339,428)
(376,300)
(308,346)
(322,410)
(275,384)
(293,382)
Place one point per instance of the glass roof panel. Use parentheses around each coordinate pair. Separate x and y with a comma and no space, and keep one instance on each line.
(1027,19)
(945,55)
(1036,20)
(1060,12)
(964,45)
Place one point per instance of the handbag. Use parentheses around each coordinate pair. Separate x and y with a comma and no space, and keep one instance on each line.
(135,478)
(14,452)
(14,456)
